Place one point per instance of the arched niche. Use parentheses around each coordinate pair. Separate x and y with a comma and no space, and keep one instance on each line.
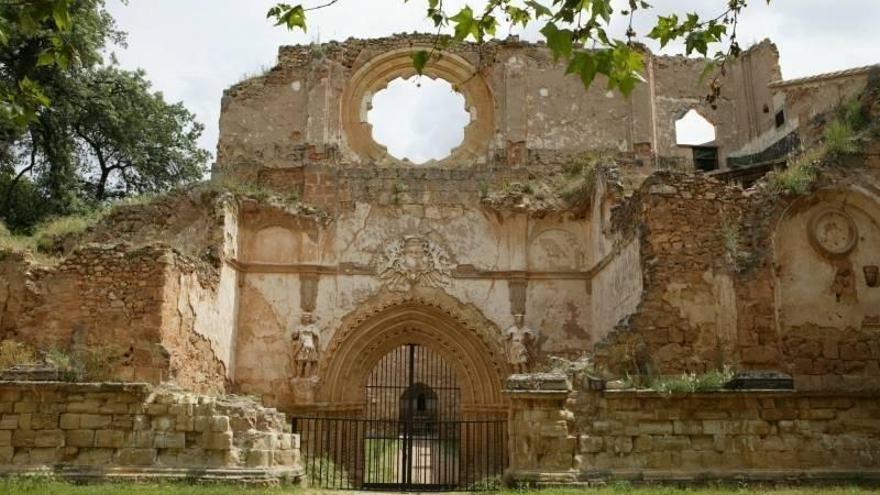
(826,247)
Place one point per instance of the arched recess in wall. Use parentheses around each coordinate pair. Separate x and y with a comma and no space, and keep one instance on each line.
(693,129)
(825,251)
(376,73)
(458,332)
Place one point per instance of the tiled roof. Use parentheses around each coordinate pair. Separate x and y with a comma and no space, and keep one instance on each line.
(855,71)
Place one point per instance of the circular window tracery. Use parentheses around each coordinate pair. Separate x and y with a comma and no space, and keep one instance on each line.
(418,119)
(376,74)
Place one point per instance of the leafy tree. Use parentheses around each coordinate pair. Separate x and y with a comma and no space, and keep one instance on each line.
(74,131)
(129,140)
(576,31)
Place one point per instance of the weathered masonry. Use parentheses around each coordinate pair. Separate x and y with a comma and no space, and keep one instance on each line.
(569,232)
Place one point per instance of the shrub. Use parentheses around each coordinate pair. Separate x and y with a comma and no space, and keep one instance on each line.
(49,233)
(841,138)
(800,174)
(85,363)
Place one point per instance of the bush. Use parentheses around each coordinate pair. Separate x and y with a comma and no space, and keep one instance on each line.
(841,138)
(800,174)
(85,363)
(47,234)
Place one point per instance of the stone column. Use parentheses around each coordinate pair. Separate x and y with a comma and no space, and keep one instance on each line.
(540,440)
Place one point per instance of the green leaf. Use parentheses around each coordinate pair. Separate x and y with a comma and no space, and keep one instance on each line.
(61,14)
(46,58)
(465,24)
(540,10)
(420,60)
(558,40)
(292,17)
(4,40)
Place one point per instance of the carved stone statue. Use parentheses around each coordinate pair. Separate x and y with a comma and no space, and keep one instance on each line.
(305,348)
(413,261)
(519,342)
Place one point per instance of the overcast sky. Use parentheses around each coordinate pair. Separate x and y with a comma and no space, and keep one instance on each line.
(193,49)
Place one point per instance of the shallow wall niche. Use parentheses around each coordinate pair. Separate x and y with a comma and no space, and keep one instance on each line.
(828,312)
(375,75)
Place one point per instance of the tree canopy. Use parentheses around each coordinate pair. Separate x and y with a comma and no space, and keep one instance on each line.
(76,130)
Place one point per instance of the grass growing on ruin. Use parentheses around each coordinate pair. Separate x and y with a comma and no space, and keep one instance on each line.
(43,487)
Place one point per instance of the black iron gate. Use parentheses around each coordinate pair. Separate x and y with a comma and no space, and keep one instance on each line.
(411,435)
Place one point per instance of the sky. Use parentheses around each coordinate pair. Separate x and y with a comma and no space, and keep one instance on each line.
(193,49)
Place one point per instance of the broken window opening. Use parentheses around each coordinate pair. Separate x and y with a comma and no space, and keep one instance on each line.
(692,129)
(418,119)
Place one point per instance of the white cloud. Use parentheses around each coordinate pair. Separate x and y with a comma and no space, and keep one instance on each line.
(193,49)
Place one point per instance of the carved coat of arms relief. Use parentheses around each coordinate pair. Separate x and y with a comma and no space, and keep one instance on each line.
(413,261)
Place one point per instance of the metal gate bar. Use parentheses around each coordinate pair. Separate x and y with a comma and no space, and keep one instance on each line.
(411,436)
(365,454)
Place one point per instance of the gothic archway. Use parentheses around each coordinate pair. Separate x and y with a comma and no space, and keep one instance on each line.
(424,316)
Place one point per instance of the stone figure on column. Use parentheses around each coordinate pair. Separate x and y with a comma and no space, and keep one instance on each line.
(519,342)
(305,348)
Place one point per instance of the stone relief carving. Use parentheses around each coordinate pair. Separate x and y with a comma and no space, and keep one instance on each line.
(520,342)
(414,261)
(833,232)
(304,361)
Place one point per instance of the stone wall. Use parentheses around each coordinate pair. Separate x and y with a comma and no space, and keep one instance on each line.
(132,430)
(643,436)
(142,307)
(306,110)
(735,277)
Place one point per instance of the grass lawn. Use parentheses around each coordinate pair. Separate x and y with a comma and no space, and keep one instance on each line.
(42,487)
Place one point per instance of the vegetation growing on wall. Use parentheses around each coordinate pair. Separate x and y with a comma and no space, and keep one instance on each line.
(850,126)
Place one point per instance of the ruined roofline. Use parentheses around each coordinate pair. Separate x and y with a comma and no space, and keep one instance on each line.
(827,76)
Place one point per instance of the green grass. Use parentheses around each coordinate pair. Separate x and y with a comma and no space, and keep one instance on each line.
(43,487)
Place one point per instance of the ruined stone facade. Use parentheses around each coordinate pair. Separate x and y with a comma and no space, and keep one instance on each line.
(332,253)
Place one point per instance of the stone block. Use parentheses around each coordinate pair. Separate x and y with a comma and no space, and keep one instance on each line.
(41,421)
(286,458)
(142,439)
(259,458)
(6,454)
(9,422)
(94,457)
(218,441)
(80,438)
(48,438)
(94,421)
(678,443)
(169,440)
(201,423)
(184,423)
(45,455)
(69,421)
(5,438)
(655,427)
(111,439)
(220,423)
(136,457)
(687,427)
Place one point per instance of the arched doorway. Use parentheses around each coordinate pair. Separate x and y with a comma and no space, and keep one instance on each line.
(409,399)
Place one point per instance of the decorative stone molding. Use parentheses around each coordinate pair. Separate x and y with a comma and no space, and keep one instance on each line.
(459,332)
(413,261)
(833,232)
(375,75)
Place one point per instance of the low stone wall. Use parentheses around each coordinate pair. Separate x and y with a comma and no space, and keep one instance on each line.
(135,430)
(574,437)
